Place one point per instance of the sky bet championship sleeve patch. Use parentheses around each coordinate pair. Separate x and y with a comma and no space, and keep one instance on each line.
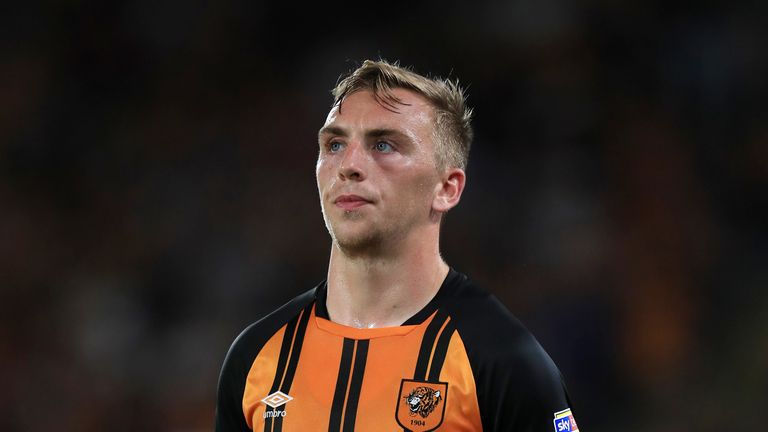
(564,421)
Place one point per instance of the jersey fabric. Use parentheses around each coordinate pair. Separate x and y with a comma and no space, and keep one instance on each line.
(463,363)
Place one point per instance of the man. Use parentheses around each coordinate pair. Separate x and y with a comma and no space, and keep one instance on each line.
(395,339)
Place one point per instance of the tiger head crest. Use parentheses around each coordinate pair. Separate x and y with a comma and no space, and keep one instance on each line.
(421,405)
(422,400)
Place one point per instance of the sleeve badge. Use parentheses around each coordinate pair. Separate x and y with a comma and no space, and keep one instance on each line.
(564,421)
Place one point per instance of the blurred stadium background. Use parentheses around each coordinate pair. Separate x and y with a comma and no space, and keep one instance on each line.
(157,195)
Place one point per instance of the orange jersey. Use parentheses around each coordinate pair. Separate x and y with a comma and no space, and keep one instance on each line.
(463,363)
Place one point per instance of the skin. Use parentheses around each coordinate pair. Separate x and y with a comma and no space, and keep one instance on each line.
(383,197)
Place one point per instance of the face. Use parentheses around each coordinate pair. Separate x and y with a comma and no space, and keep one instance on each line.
(376,170)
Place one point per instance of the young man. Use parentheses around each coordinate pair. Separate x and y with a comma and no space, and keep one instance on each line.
(395,339)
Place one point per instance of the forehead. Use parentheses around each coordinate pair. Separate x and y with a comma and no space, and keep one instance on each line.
(361,110)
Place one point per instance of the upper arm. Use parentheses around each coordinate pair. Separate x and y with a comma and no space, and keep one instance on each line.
(229,407)
(523,391)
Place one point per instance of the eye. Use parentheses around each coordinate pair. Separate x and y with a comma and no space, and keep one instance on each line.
(384,147)
(334,146)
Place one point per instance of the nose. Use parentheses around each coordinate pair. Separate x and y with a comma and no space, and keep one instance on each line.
(353,163)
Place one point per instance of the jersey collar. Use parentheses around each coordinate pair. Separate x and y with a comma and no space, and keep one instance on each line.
(447,288)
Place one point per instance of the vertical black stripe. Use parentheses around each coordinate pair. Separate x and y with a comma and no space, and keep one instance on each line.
(350,413)
(285,348)
(440,351)
(290,372)
(426,345)
(296,352)
(337,408)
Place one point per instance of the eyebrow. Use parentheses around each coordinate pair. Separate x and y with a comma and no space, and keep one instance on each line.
(332,130)
(373,133)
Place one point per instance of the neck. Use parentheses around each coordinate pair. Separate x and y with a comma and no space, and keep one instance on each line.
(367,291)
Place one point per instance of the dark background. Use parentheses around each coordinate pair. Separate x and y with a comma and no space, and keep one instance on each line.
(157,194)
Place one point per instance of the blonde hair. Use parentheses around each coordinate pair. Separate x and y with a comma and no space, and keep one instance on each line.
(453,129)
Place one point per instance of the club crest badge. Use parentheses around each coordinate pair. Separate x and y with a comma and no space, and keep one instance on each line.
(421,405)
(564,421)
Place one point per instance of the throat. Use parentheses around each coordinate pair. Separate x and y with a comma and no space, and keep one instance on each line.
(374,314)
(364,324)
(379,291)
(363,300)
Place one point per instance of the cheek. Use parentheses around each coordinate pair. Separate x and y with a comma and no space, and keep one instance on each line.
(413,193)
(408,174)
(420,184)
(323,173)
(322,164)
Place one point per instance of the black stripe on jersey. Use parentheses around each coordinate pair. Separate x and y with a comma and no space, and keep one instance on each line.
(350,412)
(441,349)
(290,372)
(427,342)
(296,352)
(285,349)
(337,408)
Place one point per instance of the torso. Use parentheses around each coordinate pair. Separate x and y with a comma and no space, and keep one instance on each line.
(361,379)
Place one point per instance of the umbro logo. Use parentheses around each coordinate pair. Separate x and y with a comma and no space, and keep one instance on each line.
(275,400)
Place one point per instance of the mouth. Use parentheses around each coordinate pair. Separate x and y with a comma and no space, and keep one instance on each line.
(350,202)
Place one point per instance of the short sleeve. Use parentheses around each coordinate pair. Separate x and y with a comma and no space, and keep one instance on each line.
(525,392)
(229,415)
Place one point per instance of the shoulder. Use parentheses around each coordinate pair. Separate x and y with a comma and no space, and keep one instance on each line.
(497,342)
(252,338)
(519,386)
(485,322)
(245,348)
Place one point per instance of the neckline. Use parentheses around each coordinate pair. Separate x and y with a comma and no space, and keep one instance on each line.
(359,333)
(452,279)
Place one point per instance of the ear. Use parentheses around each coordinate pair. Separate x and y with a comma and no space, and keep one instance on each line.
(449,190)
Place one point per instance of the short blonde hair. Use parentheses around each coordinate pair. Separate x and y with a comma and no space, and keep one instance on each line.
(453,129)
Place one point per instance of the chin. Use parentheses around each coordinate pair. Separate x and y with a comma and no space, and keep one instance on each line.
(356,241)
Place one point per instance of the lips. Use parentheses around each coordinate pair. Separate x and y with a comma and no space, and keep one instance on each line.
(350,202)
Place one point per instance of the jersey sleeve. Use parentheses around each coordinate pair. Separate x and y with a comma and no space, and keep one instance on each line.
(519,387)
(522,392)
(229,415)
